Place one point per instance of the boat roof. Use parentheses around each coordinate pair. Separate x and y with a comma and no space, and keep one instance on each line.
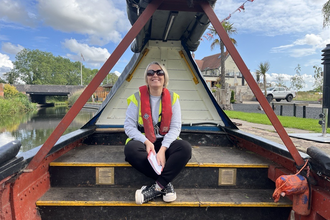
(175,20)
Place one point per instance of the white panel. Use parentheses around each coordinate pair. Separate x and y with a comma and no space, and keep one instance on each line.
(196,105)
(192,105)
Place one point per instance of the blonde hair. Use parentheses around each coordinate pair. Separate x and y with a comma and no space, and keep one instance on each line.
(166,76)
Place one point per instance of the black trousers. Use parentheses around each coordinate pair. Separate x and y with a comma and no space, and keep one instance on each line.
(177,156)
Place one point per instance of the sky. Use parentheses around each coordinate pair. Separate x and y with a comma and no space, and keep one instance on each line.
(285,33)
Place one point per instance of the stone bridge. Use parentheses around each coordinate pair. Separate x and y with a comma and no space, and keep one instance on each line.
(38,93)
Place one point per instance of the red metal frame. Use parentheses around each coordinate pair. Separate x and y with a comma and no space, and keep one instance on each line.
(118,52)
(92,86)
(252,83)
(21,207)
(30,186)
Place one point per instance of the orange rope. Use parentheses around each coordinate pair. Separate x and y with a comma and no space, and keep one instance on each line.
(308,170)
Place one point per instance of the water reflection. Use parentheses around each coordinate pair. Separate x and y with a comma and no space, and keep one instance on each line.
(34,129)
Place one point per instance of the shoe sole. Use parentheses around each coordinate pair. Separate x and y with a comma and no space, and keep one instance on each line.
(138,197)
(169,197)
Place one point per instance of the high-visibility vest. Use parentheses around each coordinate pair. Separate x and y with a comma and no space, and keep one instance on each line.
(145,125)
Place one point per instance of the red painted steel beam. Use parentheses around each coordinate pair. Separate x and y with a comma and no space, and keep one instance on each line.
(252,83)
(92,86)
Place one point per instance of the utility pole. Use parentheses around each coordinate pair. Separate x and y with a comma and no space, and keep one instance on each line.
(326,86)
(81,73)
(81,81)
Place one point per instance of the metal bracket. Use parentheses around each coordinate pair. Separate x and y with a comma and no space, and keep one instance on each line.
(227,177)
(105,175)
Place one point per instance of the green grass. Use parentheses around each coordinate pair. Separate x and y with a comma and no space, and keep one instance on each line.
(61,103)
(287,121)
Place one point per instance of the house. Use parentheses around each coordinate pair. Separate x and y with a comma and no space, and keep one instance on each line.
(210,69)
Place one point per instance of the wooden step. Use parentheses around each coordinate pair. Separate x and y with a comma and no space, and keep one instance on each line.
(79,203)
(110,155)
(80,166)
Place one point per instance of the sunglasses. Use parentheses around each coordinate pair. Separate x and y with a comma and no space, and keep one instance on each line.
(158,72)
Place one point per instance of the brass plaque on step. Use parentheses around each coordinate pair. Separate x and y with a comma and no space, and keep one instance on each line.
(105,175)
(227,177)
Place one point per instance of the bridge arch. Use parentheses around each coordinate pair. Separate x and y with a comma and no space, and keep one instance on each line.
(38,93)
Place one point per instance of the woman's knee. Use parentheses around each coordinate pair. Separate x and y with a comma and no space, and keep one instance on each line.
(132,147)
(184,147)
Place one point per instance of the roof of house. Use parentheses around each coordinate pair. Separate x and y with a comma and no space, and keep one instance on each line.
(210,62)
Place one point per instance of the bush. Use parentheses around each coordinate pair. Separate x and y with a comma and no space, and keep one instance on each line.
(16,105)
(232,97)
(15,102)
(10,91)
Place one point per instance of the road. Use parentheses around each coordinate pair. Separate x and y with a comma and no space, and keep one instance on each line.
(313,110)
(267,131)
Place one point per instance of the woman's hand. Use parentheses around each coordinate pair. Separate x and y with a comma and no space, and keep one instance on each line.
(161,159)
(149,146)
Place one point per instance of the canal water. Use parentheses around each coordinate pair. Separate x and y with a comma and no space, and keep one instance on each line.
(34,129)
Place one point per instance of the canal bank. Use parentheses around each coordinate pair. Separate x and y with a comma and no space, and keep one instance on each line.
(33,129)
(269,132)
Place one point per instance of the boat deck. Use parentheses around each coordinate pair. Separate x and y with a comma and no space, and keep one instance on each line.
(225,180)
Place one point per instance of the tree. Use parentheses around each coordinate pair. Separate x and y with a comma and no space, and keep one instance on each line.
(11,76)
(43,68)
(230,30)
(110,79)
(297,81)
(318,76)
(263,69)
(33,66)
(326,14)
(65,72)
(88,75)
(280,81)
(258,78)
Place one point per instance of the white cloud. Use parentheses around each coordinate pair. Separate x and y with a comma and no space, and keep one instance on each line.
(5,64)
(273,17)
(302,19)
(308,45)
(308,79)
(281,48)
(92,55)
(313,62)
(302,52)
(99,19)
(5,61)
(117,73)
(11,49)
(309,39)
(273,76)
(15,11)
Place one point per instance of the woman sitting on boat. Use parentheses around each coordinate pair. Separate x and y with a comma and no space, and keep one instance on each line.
(153,125)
